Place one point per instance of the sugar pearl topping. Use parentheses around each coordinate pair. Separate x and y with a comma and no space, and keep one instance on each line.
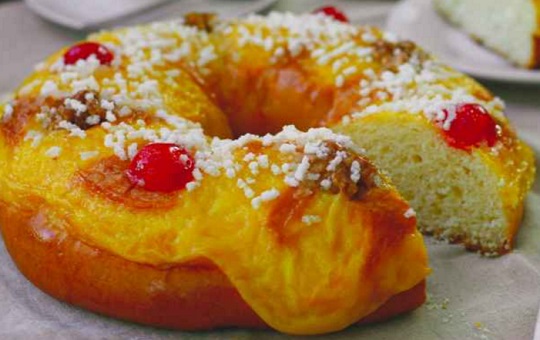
(116,85)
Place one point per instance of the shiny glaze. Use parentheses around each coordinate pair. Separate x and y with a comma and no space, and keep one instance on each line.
(107,178)
(366,251)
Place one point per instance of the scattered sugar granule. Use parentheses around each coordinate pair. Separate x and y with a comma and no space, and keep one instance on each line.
(326,184)
(34,136)
(74,130)
(355,171)
(254,167)
(110,117)
(249,157)
(76,105)
(89,96)
(287,148)
(93,120)
(8,113)
(263,161)
(107,105)
(86,155)
(133,148)
(192,185)
(340,156)
(302,169)
(340,80)
(410,213)
(53,152)
(276,170)
(266,196)
(311,219)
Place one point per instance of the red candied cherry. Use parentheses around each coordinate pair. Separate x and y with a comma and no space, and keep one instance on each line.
(161,167)
(333,12)
(472,126)
(85,49)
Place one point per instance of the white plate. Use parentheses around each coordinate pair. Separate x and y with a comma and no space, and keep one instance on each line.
(417,20)
(89,14)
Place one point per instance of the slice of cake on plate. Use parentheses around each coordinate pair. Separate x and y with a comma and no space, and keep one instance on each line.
(511,28)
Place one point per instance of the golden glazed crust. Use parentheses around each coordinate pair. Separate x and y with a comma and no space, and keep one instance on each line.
(190,296)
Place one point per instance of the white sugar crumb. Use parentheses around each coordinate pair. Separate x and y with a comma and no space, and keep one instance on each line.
(107,105)
(93,120)
(355,171)
(133,149)
(8,113)
(34,136)
(340,80)
(266,196)
(311,219)
(75,105)
(49,88)
(340,156)
(287,148)
(302,169)
(86,155)
(249,157)
(183,158)
(248,192)
(326,184)
(254,167)
(110,117)
(74,130)
(410,213)
(262,160)
(53,152)
(192,186)
(276,170)
(230,173)
(89,96)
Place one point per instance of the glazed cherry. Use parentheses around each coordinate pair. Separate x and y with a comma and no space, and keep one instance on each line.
(472,126)
(162,167)
(333,12)
(84,50)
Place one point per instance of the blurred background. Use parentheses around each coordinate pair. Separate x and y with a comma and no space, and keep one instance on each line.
(32,29)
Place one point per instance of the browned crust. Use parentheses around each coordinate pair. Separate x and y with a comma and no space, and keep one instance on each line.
(192,296)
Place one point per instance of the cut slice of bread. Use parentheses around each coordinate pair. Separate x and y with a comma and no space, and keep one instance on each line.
(471,197)
(511,28)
